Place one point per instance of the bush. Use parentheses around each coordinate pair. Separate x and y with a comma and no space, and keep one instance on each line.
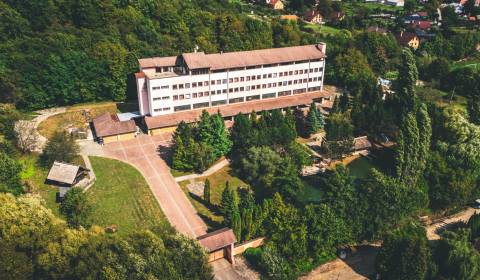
(76,208)
(61,147)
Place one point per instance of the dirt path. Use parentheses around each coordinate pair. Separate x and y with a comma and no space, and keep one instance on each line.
(43,115)
(219,165)
(464,216)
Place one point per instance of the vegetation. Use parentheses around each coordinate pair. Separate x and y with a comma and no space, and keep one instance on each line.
(195,148)
(61,147)
(120,186)
(34,241)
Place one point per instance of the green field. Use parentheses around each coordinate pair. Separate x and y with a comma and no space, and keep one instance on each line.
(472,63)
(360,168)
(322,29)
(210,213)
(441,98)
(121,196)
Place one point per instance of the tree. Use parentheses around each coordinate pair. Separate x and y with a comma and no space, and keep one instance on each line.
(10,175)
(206,192)
(339,135)
(410,6)
(404,254)
(237,225)
(259,166)
(455,256)
(220,140)
(314,120)
(229,205)
(407,78)
(474,225)
(61,147)
(26,135)
(76,208)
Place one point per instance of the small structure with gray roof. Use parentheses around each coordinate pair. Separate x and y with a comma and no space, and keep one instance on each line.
(65,176)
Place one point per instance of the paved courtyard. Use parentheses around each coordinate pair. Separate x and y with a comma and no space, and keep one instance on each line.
(143,153)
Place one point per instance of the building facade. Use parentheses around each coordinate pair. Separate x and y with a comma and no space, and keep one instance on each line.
(197,80)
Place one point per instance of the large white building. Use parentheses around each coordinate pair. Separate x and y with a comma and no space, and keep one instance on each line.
(197,80)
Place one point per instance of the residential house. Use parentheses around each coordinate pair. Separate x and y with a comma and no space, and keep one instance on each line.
(275,4)
(421,24)
(313,16)
(361,145)
(408,39)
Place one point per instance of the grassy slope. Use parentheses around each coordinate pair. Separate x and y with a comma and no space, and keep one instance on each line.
(217,182)
(121,196)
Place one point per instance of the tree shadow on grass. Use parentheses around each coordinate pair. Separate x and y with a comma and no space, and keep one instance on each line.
(214,225)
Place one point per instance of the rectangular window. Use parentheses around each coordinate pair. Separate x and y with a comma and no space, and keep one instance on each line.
(296,72)
(235,100)
(270,75)
(305,80)
(182,108)
(212,92)
(242,79)
(315,70)
(206,93)
(219,91)
(200,94)
(187,96)
(213,82)
(187,85)
(166,109)
(155,88)
(175,86)
(264,86)
(224,81)
(290,73)
(165,97)
(157,110)
(268,95)
(219,82)
(180,86)
(247,88)
(280,74)
(259,77)
(230,90)
(230,80)
(284,93)
(236,80)
(300,71)
(311,70)
(289,82)
(194,84)
(236,89)
(181,97)
(248,78)
(205,83)
(200,105)
(310,80)
(264,76)
(175,97)
(274,75)
(157,98)
(194,95)
(224,90)
(219,102)
(200,84)
(254,78)
(253,97)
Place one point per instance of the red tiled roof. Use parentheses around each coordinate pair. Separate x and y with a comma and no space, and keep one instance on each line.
(157,61)
(236,108)
(252,58)
(361,143)
(108,125)
(217,239)
(421,24)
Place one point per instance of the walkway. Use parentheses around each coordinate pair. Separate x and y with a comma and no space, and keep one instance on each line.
(43,115)
(219,165)
(144,153)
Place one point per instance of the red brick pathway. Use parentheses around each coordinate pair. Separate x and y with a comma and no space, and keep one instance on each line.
(143,153)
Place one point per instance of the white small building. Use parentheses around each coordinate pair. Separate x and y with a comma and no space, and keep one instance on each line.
(396,3)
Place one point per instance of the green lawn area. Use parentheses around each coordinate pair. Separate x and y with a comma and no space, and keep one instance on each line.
(34,176)
(322,29)
(311,192)
(121,196)
(472,63)
(442,98)
(209,213)
(360,167)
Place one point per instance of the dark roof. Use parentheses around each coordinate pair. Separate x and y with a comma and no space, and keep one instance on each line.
(108,124)
(64,172)
(217,61)
(236,108)
(217,239)
(405,37)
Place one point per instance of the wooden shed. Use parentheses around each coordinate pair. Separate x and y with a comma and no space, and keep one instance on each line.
(108,128)
(65,176)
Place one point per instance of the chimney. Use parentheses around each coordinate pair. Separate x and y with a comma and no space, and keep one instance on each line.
(322,47)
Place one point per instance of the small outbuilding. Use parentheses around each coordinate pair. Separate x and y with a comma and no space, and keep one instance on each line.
(65,176)
(219,244)
(108,128)
(361,144)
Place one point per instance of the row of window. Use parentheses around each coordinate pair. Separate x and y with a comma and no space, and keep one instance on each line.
(242,89)
(161,98)
(161,87)
(161,109)
(242,79)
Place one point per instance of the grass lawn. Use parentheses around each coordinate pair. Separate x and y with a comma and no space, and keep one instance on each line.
(323,29)
(442,98)
(360,167)
(472,63)
(311,192)
(121,196)
(34,175)
(74,116)
(210,214)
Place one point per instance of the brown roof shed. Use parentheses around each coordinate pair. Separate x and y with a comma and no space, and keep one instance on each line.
(217,239)
(108,125)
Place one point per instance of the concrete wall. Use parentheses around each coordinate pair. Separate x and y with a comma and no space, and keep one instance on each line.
(158,131)
(114,138)
(240,248)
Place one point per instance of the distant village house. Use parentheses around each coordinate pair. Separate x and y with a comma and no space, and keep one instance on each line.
(275,4)
(313,16)
(408,39)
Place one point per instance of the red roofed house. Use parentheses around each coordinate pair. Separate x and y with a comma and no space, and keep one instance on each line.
(421,24)
(275,4)
(313,16)
(408,39)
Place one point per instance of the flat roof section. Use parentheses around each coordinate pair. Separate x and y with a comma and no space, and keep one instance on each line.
(236,108)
